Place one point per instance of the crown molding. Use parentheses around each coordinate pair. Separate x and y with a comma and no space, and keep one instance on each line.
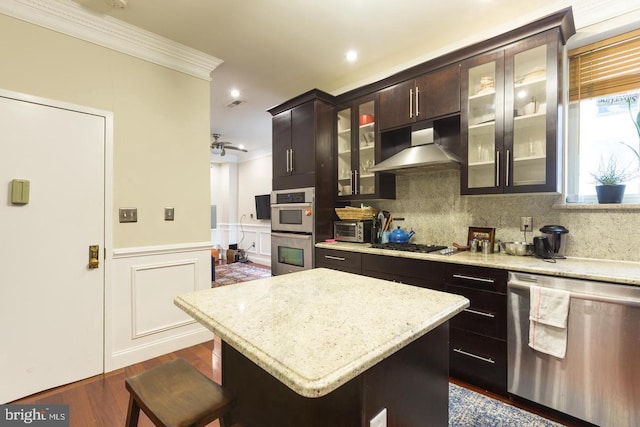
(70,18)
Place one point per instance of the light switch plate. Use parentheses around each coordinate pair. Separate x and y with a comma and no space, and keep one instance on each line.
(20,191)
(128,215)
(169,214)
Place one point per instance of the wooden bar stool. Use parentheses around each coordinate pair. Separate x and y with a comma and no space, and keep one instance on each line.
(176,394)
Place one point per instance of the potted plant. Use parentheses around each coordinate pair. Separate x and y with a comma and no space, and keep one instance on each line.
(611,177)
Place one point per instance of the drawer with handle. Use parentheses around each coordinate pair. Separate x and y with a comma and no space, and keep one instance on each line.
(350,262)
(488,279)
(486,314)
(478,360)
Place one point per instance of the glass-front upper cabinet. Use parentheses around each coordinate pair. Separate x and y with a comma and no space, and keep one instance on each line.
(356,146)
(482,118)
(510,118)
(529,140)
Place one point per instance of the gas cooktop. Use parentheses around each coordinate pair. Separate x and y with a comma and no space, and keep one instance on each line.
(408,247)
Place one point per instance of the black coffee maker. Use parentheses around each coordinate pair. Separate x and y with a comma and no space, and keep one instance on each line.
(553,242)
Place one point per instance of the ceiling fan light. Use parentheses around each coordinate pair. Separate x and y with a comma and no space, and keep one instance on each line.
(222,153)
(217,149)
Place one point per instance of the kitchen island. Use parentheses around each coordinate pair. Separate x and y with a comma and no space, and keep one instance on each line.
(323,347)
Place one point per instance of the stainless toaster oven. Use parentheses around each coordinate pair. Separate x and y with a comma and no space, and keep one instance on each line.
(352,231)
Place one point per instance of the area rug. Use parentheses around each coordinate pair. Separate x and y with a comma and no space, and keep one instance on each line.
(470,409)
(227,274)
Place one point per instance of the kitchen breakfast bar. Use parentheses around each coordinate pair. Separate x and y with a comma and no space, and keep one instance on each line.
(327,348)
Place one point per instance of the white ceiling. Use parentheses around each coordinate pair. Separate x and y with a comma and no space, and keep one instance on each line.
(274,50)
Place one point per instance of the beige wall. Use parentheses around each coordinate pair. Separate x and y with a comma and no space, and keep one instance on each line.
(161,125)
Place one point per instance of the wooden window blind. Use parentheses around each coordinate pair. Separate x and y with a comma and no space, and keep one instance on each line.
(606,67)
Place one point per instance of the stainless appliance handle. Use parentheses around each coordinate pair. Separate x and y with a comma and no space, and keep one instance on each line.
(497,168)
(417,104)
(298,236)
(477,279)
(630,302)
(506,177)
(410,103)
(484,359)
(337,258)
(292,205)
(480,313)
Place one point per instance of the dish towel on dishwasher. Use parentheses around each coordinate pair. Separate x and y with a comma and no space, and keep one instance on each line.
(548,320)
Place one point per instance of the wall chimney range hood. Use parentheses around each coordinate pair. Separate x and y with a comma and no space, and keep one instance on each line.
(423,155)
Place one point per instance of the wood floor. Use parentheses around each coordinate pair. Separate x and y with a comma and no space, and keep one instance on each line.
(101,401)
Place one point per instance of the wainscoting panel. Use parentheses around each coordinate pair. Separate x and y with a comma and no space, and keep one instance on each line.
(260,234)
(153,288)
(141,320)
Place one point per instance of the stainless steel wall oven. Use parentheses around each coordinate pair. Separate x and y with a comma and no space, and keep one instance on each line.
(292,230)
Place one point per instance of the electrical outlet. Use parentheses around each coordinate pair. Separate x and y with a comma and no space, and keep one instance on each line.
(526,223)
(379,420)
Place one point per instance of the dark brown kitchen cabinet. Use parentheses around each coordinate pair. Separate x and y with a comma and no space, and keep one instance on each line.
(431,95)
(477,345)
(348,261)
(511,98)
(302,140)
(358,150)
(422,273)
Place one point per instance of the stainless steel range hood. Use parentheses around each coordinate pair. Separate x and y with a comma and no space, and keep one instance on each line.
(423,155)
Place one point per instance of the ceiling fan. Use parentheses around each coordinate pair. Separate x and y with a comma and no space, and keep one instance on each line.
(220,147)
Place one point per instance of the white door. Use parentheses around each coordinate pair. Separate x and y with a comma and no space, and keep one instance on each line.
(51,302)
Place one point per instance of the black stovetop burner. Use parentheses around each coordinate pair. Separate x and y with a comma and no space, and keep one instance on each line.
(408,247)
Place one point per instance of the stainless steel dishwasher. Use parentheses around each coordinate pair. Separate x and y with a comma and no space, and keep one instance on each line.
(599,379)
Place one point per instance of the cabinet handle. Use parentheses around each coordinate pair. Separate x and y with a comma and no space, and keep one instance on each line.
(417,103)
(287,160)
(484,359)
(351,181)
(293,167)
(479,313)
(336,258)
(497,168)
(356,187)
(410,103)
(507,166)
(477,279)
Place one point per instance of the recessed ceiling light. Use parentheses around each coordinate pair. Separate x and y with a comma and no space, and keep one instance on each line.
(235,93)
(352,55)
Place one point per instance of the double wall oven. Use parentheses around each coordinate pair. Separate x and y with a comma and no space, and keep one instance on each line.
(292,230)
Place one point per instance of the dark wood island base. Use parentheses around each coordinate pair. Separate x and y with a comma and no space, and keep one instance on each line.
(412,384)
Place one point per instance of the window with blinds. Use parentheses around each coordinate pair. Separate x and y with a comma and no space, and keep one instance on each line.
(604,68)
(604,89)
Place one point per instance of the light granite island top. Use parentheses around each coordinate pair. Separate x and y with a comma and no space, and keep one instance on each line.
(284,323)
(323,347)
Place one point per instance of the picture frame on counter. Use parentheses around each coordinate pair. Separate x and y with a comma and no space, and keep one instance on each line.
(481,233)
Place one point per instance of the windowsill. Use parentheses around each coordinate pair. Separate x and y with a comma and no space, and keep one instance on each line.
(597,206)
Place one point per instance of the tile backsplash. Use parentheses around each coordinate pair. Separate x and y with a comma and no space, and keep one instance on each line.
(432,206)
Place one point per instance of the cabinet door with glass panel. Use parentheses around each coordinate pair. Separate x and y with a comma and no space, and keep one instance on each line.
(509,120)
(532,78)
(356,147)
(482,122)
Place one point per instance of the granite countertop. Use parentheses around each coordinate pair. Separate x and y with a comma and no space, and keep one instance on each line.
(317,329)
(622,272)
